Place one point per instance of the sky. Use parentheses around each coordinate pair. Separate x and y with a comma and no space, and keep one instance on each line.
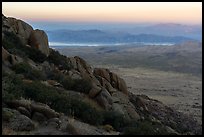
(125,12)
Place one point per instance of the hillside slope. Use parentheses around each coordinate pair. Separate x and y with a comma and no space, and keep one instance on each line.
(45,92)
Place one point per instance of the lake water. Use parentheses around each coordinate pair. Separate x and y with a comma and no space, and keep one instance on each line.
(62,45)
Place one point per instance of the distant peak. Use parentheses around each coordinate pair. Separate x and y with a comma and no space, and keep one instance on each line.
(169,24)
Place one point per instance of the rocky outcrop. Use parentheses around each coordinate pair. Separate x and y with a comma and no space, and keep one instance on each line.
(17,121)
(18,27)
(104,83)
(28,36)
(105,87)
(104,99)
(44,109)
(39,40)
(104,73)
(122,105)
(9,59)
(83,68)
(22,123)
(156,110)
(74,74)
(112,78)
(34,107)
(79,128)
(94,91)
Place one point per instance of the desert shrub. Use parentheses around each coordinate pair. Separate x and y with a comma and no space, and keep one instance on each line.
(22,67)
(30,73)
(35,75)
(10,40)
(87,113)
(55,75)
(59,60)
(6,114)
(67,82)
(13,44)
(80,85)
(18,52)
(118,121)
(145,128)
(11,87)
(62,102)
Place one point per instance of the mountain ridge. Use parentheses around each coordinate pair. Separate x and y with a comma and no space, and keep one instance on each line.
(95,35)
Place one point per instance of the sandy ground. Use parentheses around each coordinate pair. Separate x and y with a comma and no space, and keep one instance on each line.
(180,91)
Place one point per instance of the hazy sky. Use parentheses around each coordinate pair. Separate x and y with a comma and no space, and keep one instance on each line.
(133,12)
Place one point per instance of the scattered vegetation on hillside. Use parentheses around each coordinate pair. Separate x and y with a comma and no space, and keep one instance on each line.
(59,60)
(14,45)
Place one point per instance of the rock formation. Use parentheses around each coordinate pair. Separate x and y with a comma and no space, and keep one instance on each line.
(28,36)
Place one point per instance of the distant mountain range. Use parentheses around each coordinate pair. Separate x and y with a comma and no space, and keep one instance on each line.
(170,29)
(98,36)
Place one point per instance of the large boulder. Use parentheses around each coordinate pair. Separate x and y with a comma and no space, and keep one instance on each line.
(104,99)
(94,91)
(103,73)
(74,74)
(18,27)
(28,36)
(72,61)
(5,54)
(39,40)
(83,68)
(104,83)
(44,109)
(21,123)
(9,59)
(112,78)
(17,121)
(24,111)
(122,105)
(118,83)
(82,64)
(39,117)
(34,107)
(19,103)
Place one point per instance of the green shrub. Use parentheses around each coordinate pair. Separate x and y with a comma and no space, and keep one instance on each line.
(35,75)
(55,75)
(145,128)
(59,60)
(30,73)
(22,67)
(6,114)
(11,87)
(118,121)
(80,85)
(62,102)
